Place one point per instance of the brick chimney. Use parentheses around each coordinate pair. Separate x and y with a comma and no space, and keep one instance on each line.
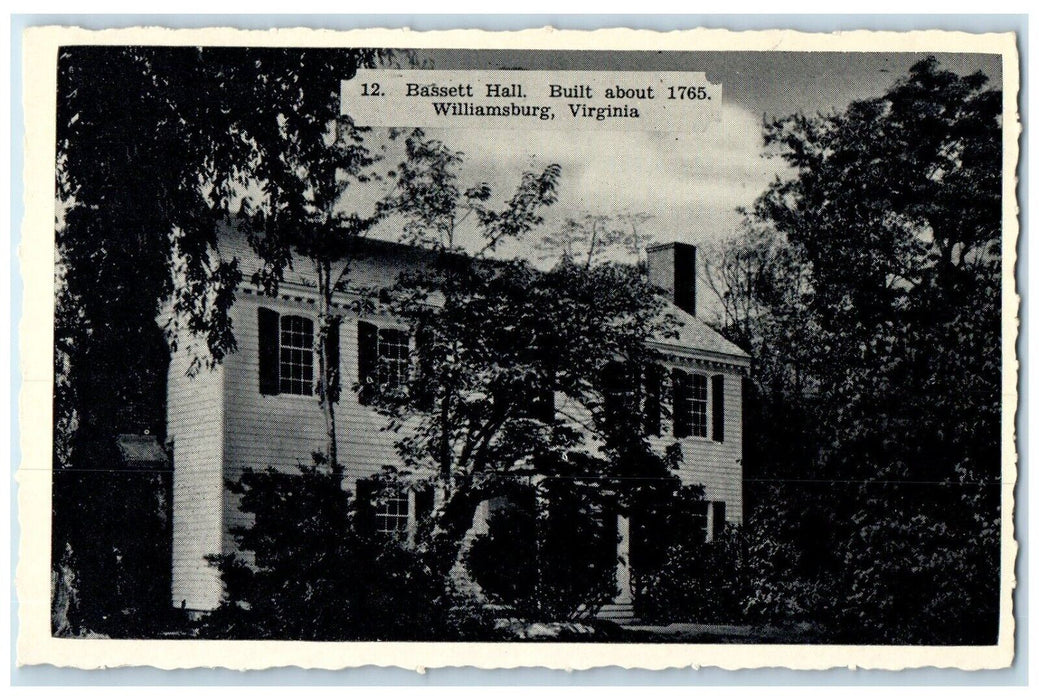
(672,267)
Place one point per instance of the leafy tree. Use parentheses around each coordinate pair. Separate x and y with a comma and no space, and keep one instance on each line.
(550,550)
(499,346)
(867,284)
(697,580)
(142,186)
(299,215)
(593,238)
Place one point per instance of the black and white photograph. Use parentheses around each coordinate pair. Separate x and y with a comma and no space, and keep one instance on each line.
(651,348)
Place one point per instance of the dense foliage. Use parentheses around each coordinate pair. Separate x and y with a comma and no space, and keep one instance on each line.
(121,589)
(696,580)
(550,552)
(142,187)
(514,364)
(867,286)
(311,567)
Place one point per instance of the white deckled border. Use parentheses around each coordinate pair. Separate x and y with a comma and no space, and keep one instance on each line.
(36,646)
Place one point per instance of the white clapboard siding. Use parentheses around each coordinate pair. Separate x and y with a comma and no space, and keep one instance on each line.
(718,466)
(195,425)
(283,430)
(222,424)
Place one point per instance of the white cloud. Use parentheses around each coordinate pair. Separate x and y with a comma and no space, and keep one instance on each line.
(691,183)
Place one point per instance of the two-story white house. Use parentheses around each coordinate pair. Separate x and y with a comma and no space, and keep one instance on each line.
(259,408)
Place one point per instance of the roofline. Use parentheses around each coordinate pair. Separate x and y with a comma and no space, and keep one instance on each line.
(742,360)
(238,226)
(669,244)
(297,292)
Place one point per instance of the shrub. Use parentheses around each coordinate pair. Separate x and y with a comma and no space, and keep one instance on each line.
(110,542)
(880,563)
(504,560)
(697,582)
(306,571)
(551,561)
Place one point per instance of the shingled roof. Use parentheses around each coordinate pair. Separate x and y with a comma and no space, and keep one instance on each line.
(694,334)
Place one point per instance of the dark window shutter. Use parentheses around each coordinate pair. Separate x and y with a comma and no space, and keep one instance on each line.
(681,410)
(364,505)
(423,503)
(719,519)
(699,520)
(718,408)
(270,343)
(651,413)
(367,361)
(424,387)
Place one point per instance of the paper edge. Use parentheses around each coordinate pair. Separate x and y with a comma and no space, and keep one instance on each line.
(36,646)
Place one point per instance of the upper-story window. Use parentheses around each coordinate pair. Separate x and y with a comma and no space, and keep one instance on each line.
(286,353)
(393,357)
(690,404)
(698,403)
(383,359)
(296,356)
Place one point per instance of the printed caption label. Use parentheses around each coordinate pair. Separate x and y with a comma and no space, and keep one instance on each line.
(515,99)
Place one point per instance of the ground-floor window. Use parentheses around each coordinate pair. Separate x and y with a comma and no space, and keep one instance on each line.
(393,513)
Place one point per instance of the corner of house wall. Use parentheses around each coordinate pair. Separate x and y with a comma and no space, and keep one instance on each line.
(222,442)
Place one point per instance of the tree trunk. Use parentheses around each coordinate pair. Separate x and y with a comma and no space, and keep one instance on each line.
(328,325)
(452,539)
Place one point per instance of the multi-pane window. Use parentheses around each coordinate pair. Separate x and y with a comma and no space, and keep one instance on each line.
(383,360)
(296,356)
(393,357)
(690,404)
(392,512)
(698,404)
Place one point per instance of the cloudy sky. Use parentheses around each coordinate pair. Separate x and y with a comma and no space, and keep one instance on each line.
(690,183)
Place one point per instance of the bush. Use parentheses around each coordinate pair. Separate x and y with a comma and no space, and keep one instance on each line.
(504,561)
(554,562)
(307,572)
(110,547)
(880,563)
(923,571)
(791,546)
(700,582)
